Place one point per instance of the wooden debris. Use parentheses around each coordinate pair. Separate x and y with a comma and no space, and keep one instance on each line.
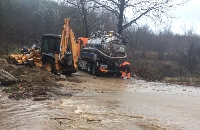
(7,78)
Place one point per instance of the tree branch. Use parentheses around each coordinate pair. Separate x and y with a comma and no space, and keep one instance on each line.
(134,20)
(107,7)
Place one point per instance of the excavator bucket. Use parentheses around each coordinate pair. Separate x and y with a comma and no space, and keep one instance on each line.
(13,59)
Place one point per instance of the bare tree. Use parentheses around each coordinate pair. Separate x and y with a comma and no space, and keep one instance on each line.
(154,9)
(84,6)
(193,48)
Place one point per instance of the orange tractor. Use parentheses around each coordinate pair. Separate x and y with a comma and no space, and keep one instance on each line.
(57,52)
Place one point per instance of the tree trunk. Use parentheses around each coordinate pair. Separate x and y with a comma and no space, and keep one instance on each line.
(84,11)
(121,15)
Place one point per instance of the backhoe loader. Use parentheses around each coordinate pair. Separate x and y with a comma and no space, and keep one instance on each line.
(57,52)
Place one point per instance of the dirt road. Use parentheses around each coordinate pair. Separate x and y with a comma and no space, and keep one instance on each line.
(106,102)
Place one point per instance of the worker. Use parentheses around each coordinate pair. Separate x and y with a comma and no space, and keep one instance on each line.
(125,69)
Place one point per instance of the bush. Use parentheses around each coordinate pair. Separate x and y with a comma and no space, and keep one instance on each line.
(156,70)
(13,49)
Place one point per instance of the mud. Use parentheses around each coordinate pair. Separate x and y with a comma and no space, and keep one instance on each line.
(35,83)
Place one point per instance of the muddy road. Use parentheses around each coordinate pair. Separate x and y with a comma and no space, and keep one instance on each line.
(100,103)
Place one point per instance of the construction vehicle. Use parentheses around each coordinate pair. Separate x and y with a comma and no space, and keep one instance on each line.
(57,52)
(29,57)
(101,53)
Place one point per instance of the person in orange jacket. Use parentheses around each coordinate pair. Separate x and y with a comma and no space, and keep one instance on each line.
(125,69)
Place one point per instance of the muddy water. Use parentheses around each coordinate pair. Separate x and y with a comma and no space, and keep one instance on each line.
(141,106)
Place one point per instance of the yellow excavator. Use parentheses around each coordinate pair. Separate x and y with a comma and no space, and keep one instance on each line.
(57,52)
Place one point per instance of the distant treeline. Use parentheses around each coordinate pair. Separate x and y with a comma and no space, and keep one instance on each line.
(164,54)
(22,21)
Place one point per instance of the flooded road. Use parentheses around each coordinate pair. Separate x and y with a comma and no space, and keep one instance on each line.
(133,105)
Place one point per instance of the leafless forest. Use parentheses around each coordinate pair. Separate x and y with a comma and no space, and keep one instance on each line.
(153,56)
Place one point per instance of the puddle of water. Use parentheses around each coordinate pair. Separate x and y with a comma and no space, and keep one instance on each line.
(129,110)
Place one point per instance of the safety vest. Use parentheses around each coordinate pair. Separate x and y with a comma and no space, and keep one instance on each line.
(125,63)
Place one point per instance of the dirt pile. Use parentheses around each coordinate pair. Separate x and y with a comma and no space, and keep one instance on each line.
(35,75)
(35,82)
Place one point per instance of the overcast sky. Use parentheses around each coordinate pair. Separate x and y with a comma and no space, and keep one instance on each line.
(187,16)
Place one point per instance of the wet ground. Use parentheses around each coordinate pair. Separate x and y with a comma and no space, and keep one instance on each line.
(106,103)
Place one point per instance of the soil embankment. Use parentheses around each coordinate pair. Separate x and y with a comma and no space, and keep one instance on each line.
(35,83)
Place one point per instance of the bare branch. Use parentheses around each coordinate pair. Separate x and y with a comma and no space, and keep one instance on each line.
(154,9)
(107,7)
(134,20)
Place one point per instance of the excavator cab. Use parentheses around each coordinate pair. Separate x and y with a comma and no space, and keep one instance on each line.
(50,44)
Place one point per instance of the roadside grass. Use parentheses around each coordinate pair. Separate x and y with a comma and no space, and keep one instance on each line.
(190,81)
(165,71)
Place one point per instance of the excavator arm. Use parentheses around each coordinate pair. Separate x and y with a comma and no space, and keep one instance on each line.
(68,45)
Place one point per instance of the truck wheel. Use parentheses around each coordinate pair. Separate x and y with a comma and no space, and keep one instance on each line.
(50,65)
(94,68)
(89,67)
(118,74)
(79,65)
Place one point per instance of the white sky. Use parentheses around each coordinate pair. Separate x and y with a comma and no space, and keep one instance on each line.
(187,16)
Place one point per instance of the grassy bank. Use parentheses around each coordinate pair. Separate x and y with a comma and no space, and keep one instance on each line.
(164,71)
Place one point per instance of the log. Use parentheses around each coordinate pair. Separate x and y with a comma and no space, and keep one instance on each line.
(7,78)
